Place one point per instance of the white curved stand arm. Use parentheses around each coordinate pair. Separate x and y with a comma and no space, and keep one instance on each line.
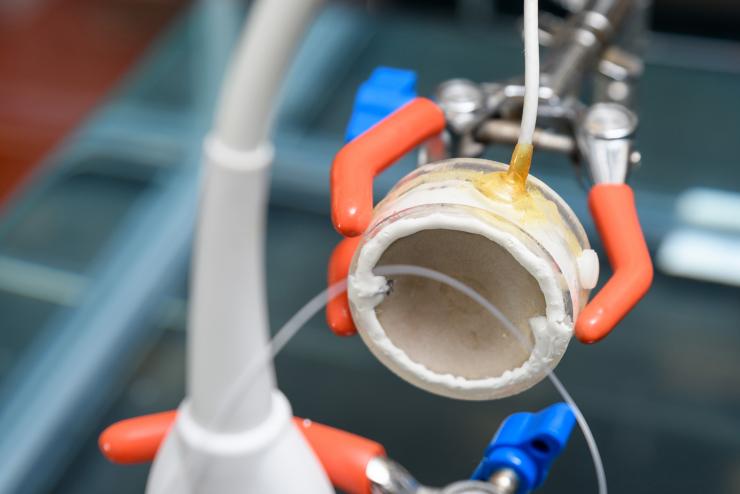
(249,444)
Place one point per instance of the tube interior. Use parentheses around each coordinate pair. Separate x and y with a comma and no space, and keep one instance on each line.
(445,330)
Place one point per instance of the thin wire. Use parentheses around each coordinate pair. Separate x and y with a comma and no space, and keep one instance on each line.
(585,430)
(300,318)
(531,72)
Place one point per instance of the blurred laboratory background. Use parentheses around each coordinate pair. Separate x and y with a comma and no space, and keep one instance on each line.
(103,106)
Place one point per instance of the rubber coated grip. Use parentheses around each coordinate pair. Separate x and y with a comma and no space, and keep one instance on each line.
(614,212)
(136,440)
(359,161)
(343,455)
(338,315)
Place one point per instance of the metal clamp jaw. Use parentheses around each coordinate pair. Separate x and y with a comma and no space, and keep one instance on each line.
(388,477)
(605,138)
(579,48)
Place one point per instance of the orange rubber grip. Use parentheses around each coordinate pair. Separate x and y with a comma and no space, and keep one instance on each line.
(359,161)
(343,455)
(614,212)
(136,440)
(338,315)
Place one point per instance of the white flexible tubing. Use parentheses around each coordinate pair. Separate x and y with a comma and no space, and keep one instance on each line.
(256,446)
(228,324)
(248,100)
(531,72)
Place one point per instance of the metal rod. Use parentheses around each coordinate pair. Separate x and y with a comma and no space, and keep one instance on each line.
(578,44)
(507,132)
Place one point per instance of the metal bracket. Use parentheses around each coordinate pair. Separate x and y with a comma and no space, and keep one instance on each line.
(581,46)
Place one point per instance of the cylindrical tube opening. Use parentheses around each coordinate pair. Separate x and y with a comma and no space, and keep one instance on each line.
(445,330)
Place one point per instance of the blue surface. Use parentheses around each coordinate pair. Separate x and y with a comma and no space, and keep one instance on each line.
(528,443)
(384,92)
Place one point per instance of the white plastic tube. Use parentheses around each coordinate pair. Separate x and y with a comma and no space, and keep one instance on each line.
(255,447)
(228,322)
(228,314)
(531,72)
(248,100)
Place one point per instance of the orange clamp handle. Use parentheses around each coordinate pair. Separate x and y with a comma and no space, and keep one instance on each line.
(614,212)
(136,440)
(338,314)
(359,161)
(343,455)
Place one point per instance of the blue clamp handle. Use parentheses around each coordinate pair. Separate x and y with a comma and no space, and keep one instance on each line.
(384,92)
(528,443)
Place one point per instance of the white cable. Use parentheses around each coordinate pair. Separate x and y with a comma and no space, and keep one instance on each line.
(228,248)
(585,429)
(248,100)
(531,72)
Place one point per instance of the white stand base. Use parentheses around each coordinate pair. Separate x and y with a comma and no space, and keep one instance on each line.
(272,458)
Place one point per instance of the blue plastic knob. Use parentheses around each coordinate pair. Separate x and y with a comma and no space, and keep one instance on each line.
(384,92)
(528,443)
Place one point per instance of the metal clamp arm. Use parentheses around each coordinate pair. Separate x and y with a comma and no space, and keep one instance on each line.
(338,315)
(352,174)
(344,456)
(605,141)
(357,164)
(615,214)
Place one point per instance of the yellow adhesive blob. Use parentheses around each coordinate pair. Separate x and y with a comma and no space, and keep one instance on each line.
(521,160)
(511,187)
